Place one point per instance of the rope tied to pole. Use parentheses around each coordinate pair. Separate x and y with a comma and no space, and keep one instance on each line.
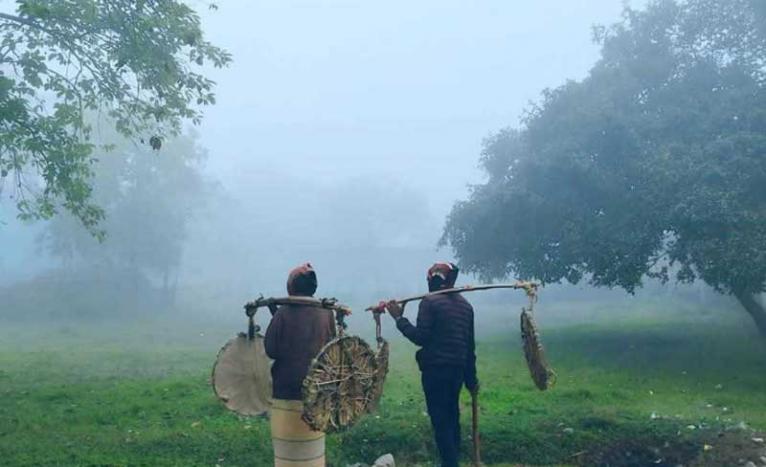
(381,365)
(252,328)
(376,317)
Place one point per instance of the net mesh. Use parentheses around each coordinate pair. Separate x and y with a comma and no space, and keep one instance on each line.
(381,371)
(241,376)
(339,385)
(542,374)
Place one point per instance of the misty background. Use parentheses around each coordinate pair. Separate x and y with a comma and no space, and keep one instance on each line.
(343,134)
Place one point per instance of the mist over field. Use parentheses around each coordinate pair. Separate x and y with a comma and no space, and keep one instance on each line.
(342,135)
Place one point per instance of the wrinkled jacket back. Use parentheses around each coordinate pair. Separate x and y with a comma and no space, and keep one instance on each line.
(294,337)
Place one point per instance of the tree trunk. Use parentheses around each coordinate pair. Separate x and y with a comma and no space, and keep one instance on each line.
(174,288)
(166,287)
(755,309)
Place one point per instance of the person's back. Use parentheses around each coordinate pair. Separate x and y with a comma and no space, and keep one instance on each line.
(447,358)
(450,318)
(294,338)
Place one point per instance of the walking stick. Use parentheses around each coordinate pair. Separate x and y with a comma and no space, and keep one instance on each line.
(475,427)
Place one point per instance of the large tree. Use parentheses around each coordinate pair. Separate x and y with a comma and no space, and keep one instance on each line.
(654,165)
(136,61)
(149,200)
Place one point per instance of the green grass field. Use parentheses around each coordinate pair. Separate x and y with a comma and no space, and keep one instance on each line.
(632,391)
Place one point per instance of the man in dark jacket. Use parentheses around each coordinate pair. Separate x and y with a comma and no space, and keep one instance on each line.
(447,358)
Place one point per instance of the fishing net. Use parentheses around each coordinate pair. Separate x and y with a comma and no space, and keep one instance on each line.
(381,371)
(242,376)
(338,387)
(381,365)
(542,374)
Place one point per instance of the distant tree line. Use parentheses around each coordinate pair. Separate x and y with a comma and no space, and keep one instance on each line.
(149,200)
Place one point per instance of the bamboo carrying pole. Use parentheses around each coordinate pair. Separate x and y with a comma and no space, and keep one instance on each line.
(330,303)
(341,310)
(529,287)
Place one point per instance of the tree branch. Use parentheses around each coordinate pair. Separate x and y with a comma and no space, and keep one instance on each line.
(25,22)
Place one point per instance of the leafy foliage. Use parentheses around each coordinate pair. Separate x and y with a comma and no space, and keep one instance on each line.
(134,61)
(654,165)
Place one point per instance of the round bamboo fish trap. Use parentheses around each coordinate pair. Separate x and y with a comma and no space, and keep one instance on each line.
(338,387)
(542,374)
(242,376)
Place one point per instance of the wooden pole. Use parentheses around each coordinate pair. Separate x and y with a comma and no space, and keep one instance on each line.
(329,303)
(475,427)
(529,287)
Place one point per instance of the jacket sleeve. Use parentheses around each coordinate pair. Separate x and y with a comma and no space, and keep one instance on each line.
(273,336)
(470,363)
(420,334)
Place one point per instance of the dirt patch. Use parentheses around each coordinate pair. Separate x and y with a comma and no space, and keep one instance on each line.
(706,448)
(649,452)
(733,448)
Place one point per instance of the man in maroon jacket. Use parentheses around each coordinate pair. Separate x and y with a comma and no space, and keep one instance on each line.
(296,334)
(294,337)
(447,357)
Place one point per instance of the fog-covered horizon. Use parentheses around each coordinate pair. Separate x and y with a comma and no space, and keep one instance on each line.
(344,132)
(406,90)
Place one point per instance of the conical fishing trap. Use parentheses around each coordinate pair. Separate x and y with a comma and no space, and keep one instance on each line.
(542,374)
(241,375)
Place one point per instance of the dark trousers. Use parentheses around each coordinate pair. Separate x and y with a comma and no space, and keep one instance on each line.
(441,385)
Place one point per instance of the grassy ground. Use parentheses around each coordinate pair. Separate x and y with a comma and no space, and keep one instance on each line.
(630,392)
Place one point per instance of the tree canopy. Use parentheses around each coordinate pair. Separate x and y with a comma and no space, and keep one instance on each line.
(652,166)
(136,62)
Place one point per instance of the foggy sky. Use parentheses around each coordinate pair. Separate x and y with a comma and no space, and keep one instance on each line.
(407,89)
(323,96)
